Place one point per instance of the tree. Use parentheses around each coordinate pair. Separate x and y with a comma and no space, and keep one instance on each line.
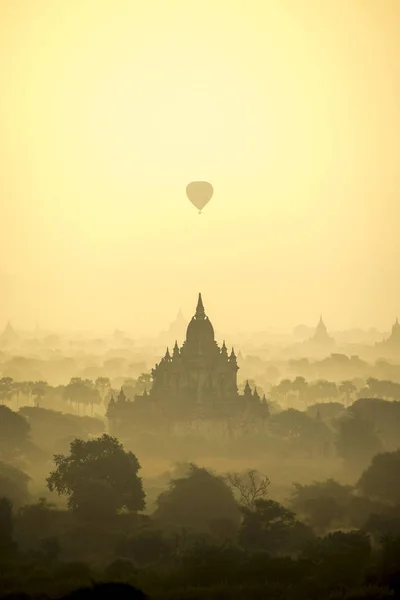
(38,522)
(347,390)
(300,387)
(6,523)
(271,527)
(147,546)
(14,434)
(6,389)
(25,388)
(382,389)
(390,564)
(341,559)
(82,391)
(322,512)
(382,526)
(384,414)
(321,503)
(324,390)
(279,393)
(54,430)
(14,484)
(306,434)
(197,501)
(326,411)
(103,385)
(205,565)
(38,390)
(250,486)
(381,479)
(99,477)
(357,441)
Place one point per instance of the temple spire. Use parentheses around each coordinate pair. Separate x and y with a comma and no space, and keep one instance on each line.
(200,314)
(121,395)
(396,327)
(247,390)
(233,360)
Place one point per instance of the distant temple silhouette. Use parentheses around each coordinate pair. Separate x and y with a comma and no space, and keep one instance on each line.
(321,338)
(321,333)
(176,330)
(9,337)
(197,381)
(392,343)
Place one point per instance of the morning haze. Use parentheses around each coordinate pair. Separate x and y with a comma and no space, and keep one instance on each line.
(289,109)
(199,406)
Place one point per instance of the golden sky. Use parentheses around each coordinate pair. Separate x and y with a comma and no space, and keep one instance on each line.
(108,108)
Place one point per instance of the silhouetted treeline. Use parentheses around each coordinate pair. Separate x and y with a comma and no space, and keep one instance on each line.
(210,536)
(325,430)
(126,366)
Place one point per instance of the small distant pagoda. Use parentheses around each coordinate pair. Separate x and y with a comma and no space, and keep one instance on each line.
(392,343)
(9,337)
(176,330)
(321,338)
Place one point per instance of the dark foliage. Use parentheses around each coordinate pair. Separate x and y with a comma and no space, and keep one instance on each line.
(98,477)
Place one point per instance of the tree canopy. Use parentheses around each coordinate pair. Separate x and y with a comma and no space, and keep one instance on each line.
(269,526)
(197,501)
(99,477)
(13,484)
(381,479)
(14,434)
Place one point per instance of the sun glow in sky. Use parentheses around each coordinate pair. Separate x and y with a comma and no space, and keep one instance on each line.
(109,108)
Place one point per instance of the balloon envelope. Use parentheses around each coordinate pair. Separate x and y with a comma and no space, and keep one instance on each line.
(199,193)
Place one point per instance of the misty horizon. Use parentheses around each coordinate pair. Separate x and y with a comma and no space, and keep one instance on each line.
(299,139)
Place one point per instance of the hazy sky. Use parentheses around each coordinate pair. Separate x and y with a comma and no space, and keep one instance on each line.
(108,108)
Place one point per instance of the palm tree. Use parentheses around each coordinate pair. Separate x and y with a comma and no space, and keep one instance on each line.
(82,392)
(26,388)
(38,391)
(6,389)
(300,387)
(280,392)
(17,388)
(103,384)
(347,389)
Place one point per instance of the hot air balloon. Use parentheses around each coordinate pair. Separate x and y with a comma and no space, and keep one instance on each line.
(199,193)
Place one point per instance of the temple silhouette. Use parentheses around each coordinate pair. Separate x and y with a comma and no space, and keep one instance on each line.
(391,345)
(175,331)
(321,336)
(196,384)
(9,337)
(320,342)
